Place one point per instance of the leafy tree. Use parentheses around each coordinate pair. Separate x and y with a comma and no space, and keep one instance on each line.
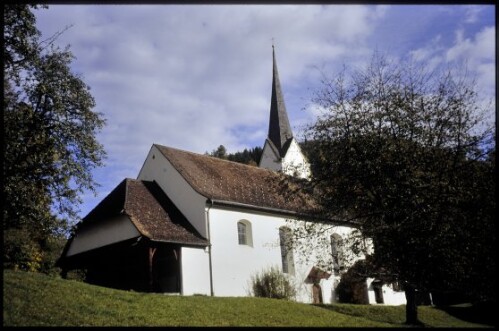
(220,152)
(353,287)
(247,156)
(406,152)
(50,144)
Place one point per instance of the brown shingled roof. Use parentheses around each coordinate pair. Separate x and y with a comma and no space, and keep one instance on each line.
(227,181)
(150,210)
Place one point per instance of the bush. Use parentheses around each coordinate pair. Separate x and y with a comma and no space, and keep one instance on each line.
(52,248)
(23,252)
(20,252)
(79,275)
(272,283)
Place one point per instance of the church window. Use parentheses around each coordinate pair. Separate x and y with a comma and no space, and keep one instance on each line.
(244,233)
(337,252)
(288,266)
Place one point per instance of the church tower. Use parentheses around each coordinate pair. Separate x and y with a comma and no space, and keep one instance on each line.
(281,151)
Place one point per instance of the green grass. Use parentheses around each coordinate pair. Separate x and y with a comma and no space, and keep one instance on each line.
(32,299)
(395,315)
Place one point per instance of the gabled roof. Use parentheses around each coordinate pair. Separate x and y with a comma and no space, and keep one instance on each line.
(279,129)
(235,183)
(150,210)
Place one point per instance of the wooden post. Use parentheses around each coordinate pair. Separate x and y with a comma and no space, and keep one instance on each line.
(152,250)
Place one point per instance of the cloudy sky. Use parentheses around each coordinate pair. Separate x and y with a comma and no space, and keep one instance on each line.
(197,76)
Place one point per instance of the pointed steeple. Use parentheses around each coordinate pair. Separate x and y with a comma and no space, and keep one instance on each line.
(279,129)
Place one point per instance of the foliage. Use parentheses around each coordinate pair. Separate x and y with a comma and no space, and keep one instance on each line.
(406,152)
(21,252)
(352,287)
(77,275)
(272,283)
(220,152)
(50,129)
(247,156)
(52,248)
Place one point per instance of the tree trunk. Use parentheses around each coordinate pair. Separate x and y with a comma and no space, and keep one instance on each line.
(411,309)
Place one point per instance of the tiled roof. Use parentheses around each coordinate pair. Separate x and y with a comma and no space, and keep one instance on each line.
(227,181)
(150,210)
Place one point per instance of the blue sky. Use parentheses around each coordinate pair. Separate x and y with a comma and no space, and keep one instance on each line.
(197,76)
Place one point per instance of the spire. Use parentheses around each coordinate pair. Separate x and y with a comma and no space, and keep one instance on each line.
(279,129)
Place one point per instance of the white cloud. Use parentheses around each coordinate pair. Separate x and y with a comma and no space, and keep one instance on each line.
(479,55)
(476,52)
(194,77)
(472,13)
(200,63)
(481,47)
(431,53)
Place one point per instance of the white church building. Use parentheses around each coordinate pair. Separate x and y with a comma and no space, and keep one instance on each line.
(192,224)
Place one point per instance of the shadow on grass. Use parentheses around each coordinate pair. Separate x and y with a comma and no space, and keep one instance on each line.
(481,313)
(388,315)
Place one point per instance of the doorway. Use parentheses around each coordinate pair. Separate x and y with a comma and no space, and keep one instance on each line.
(317,293)
(166,269)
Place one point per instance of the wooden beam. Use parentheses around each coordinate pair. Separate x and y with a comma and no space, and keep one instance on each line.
(151,250)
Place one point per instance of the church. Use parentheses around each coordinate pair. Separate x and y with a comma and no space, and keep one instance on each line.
(192,224)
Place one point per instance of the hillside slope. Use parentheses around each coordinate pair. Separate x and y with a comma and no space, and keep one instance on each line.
(32,299)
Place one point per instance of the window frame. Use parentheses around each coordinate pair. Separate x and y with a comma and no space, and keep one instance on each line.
(337,252)
(287,258)
(244,233)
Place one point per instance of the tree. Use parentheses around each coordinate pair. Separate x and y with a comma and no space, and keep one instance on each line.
(220,152)
(50,134)
(404,151)
(247,156)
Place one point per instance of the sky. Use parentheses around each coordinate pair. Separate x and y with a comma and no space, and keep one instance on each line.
(195,77)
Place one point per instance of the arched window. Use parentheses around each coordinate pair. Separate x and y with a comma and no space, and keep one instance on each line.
(244,233)
(337,252)
(288,265)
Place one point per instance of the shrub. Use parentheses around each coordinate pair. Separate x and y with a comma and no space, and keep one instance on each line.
(52,248)
(272,283)
(23,252)
(20,252)
(76,274)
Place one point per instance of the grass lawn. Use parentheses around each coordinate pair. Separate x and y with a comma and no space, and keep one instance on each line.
(32,299)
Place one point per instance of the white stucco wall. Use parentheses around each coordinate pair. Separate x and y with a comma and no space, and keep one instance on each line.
(195,271)
(295,162)
(189,202)
(269,159)
(234,264)
(102,233)
(390,297)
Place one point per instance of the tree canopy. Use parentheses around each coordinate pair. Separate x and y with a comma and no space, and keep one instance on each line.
(247,156)
(407,152)
(50,134)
